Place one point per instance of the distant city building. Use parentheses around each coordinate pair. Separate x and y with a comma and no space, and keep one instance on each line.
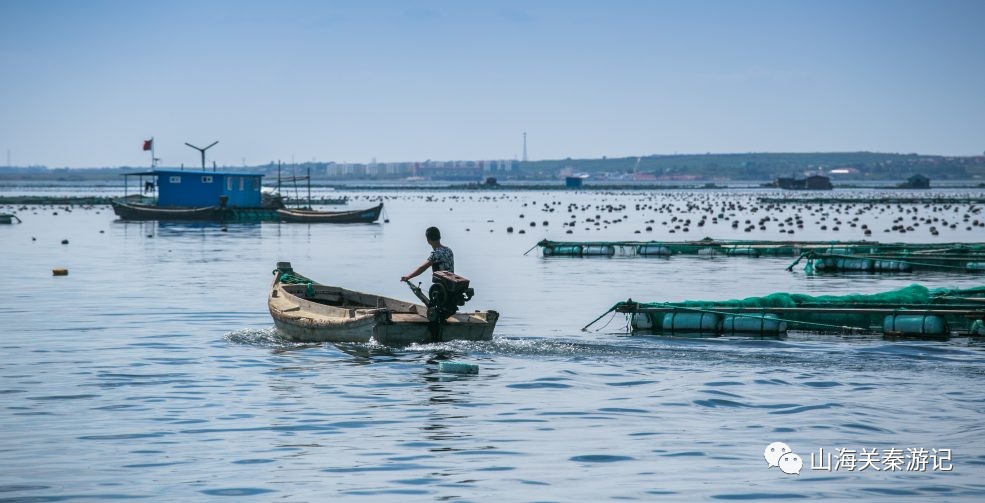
(814,182)
(574,182)
(916,182)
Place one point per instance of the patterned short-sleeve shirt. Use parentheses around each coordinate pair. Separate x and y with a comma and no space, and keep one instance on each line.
(442,259)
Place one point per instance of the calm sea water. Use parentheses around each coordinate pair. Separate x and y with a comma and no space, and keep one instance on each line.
(153,370)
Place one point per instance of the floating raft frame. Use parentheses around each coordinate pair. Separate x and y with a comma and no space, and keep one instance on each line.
(870,201)
(745,248)
(911,311)
(954,260)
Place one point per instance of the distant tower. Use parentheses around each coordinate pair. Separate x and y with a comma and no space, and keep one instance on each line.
(524,146)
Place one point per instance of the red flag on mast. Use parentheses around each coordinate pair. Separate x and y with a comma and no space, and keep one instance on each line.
(148,144)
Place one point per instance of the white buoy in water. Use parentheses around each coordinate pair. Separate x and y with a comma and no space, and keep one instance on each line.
(458,368)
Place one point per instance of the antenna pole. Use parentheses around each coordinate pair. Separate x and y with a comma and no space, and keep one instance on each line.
(202,151)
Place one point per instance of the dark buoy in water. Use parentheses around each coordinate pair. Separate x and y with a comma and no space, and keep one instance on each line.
(509,230)
(59,271)
(64,241)
(458,368)
(224,229)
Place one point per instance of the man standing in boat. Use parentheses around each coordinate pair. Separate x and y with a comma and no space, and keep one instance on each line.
(441,258)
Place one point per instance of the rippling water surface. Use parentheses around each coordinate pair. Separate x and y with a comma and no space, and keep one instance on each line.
(153,370)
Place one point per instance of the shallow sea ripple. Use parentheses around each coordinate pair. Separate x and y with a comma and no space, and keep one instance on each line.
(153,372)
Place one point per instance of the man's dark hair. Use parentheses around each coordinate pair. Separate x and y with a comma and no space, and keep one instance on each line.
(433,234)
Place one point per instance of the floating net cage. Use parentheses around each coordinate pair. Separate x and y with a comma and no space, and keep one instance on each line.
(913,310)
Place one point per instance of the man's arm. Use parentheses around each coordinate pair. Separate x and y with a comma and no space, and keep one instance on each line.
(417,272)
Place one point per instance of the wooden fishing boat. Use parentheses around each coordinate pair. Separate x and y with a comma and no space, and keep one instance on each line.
(306,311)
(364,216)
(130,211)
(223,196)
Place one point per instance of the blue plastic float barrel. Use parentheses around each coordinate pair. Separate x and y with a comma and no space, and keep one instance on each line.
(691,322)
(652,250)
(915,324)
(746,251)
(588,250)
(779,250)
(855,264)
(767,324)
(458,368)
(843,264)
(891,266)
(563,250)
(642,321)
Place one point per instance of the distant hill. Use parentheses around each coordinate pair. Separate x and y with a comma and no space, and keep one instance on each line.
(697,167)
(767,166)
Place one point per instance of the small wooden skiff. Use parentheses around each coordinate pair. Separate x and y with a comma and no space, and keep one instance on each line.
(306,311)
(368,215)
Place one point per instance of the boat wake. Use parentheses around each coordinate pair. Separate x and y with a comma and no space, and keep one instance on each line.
(261,337)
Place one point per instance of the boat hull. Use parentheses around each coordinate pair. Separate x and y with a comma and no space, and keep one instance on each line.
(141,212)
(311,312)
(365,216)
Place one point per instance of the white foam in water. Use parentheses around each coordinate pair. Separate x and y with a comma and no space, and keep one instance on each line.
(262,337)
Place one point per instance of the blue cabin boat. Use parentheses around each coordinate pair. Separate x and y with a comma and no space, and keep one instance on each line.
(200,195)
(202,188)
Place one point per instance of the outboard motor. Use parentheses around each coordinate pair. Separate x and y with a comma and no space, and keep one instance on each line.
(448,292)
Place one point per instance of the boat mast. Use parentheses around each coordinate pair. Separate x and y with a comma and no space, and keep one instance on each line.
(153,156)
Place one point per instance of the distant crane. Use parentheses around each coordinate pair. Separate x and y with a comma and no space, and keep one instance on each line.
(202,151)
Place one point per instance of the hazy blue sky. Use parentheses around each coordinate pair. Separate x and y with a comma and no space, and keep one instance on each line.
(82,83)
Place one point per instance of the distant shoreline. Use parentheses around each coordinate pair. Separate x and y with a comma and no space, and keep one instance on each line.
(12,198)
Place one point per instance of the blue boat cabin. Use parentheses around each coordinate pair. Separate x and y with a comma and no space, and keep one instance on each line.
(204,188)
